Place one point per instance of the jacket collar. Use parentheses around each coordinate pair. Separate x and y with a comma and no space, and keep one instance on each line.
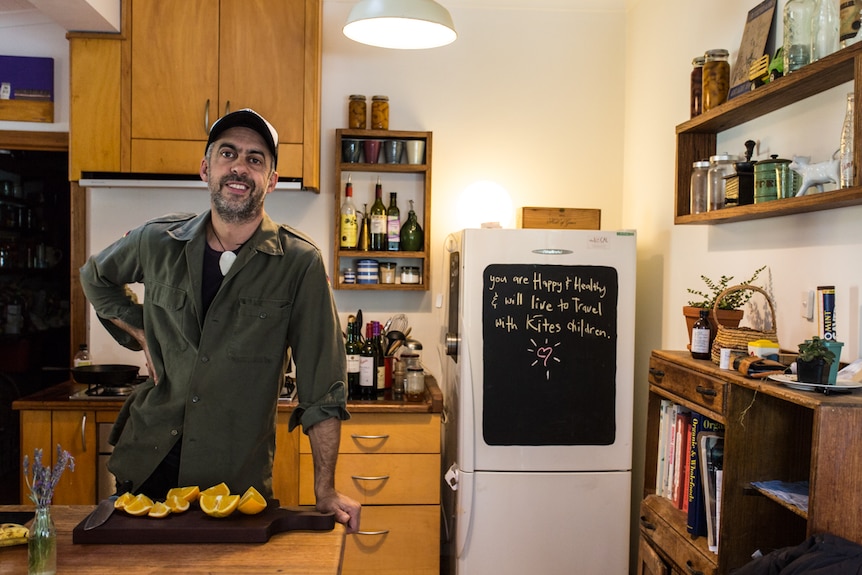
(265,239)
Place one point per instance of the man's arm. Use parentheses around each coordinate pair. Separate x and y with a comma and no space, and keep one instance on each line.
(325,437)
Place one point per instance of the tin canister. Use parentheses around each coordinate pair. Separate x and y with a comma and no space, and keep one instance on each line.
(788,181)
(367,272)
(765,182)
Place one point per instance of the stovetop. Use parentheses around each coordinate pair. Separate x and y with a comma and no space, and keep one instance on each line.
(104,392)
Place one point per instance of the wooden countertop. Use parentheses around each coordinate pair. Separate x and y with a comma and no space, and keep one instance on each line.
(57,398)
(294,552)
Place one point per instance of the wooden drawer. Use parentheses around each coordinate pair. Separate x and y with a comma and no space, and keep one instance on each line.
(387,433)
(664,526)
(395,540)
(705,393)
(379,479)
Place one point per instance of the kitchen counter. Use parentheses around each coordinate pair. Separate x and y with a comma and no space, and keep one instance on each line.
(57,398)
(295,552)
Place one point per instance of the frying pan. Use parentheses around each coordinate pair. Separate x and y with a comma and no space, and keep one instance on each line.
(106,375)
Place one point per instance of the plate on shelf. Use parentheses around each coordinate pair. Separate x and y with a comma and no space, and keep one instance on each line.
(790,381)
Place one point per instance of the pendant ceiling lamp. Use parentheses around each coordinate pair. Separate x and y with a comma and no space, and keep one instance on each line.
(401,24)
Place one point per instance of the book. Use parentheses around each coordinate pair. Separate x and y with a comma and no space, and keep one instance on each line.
(661,456)
(696,523)
(680,455)
(711,460)
(670,451)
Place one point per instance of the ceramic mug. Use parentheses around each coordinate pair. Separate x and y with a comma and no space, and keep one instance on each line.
(392,151)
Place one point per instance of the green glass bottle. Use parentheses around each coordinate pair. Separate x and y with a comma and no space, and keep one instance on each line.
(377,219)
(393,224)
(352,348)
(412,238)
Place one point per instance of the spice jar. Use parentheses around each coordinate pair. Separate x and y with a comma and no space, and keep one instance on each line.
(697,86)
(380,113)
(716,78)
(414,387)
(356,112)
(699,191)
(720,166)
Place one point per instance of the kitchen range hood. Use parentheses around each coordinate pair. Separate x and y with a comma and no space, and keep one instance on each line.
(141,180)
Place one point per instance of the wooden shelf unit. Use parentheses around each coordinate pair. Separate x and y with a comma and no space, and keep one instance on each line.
(772,432)
(421,259)
(696,138)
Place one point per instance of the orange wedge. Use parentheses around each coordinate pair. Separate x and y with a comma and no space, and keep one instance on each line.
(177,504)
(220,489)
(190,494)
(159,510)
(219,505)
(140,505)
(251,502)
(123,500)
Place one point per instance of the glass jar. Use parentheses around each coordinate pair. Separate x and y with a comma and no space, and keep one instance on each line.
(414,388)
(716,78)
(699,191)
(380,113)
(356,112)
(697,86)
(798,19)
(409,274)
(720,166)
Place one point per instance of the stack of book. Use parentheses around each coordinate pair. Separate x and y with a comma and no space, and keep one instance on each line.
(688,472)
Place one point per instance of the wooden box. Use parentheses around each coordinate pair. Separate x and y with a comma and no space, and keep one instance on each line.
(561,218)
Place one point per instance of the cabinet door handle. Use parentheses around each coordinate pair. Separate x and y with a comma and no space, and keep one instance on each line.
(84,432)
(382,532)
(656,372)
(227,108)
(691,570)
(706,391)
(370,477)
(646,524)
(354,436)
(207,117)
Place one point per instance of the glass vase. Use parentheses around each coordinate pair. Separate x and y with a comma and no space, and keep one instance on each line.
(42,546)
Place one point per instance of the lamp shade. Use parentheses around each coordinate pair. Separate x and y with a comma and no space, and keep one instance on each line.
(401,24)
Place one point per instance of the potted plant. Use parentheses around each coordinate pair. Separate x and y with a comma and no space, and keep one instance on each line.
(729,308)
(814,361)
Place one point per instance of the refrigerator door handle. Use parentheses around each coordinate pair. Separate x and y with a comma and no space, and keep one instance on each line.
(452,477)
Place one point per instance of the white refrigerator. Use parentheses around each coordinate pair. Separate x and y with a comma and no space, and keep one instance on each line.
(538,400)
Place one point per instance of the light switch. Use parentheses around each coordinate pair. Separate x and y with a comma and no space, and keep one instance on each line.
(807,302)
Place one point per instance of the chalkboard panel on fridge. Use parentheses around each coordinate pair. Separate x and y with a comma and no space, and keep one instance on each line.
(550,354)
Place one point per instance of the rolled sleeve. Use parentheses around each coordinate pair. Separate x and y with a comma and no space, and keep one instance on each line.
(330,405)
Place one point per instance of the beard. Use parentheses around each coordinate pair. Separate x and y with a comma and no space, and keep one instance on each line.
(234,209)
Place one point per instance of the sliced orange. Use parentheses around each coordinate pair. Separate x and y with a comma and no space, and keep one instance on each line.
(140,505)
(177,504)
(123,500)
(219,505)
(220,489)
(159,510)
(190,494)
(251,502)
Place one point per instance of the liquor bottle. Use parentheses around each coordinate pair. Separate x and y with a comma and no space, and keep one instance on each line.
(412,239)
(349,228)
(368,367)
(82,356)
(352,349)
(364,234)
(378,220)
(393,224)
(701,336)
(847,173)
(377,335)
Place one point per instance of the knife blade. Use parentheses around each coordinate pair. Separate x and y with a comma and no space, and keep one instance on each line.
(101,514)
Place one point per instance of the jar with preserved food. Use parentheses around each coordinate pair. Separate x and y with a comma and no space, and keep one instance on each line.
(356,112)
(720,166)
(697,86)
(716,78)
(699,175)
(380,113)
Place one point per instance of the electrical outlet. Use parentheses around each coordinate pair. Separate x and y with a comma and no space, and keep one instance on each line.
(807,301)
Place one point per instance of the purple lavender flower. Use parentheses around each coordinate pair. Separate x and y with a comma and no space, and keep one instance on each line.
(44,478)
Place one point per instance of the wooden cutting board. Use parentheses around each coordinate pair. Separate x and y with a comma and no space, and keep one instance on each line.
(194,526)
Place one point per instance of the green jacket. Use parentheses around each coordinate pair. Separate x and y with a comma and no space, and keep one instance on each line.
(220,375)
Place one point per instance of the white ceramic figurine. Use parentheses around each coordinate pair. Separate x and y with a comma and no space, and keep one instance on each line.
(815,174)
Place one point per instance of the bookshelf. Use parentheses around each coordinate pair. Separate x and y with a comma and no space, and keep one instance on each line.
(771,433)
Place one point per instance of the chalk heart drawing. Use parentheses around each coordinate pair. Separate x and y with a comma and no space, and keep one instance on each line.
(544,354)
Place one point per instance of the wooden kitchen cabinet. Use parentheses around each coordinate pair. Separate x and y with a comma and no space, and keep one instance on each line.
(771,433)
(409,181)
(696,138)
(181,66)
(389,462)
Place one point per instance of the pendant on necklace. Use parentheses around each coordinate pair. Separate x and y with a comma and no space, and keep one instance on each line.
(225,261)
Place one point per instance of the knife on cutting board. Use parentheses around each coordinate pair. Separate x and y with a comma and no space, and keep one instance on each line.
(101,514)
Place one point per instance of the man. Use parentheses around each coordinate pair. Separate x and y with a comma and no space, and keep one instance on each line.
(229,295)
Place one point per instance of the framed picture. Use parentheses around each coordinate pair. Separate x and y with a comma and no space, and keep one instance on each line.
(753,46)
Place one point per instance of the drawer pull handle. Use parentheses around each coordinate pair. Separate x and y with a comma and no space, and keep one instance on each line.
(656,372)
(691,569)
(646,524)
(354,436)
(706,391)
(370,477)
(383,532)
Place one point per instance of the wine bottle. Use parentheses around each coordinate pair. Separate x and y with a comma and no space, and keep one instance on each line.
(349,228)
(368,367)
(352,349)
(376,334)
(393,224)
(378,220)
(701,336)
(412,239)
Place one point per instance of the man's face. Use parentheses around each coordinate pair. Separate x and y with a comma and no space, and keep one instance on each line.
(238,171)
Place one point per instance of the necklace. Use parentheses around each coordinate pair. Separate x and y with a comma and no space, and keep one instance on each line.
(227,257)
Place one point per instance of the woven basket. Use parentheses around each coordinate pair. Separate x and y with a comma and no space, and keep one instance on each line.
(737,338)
